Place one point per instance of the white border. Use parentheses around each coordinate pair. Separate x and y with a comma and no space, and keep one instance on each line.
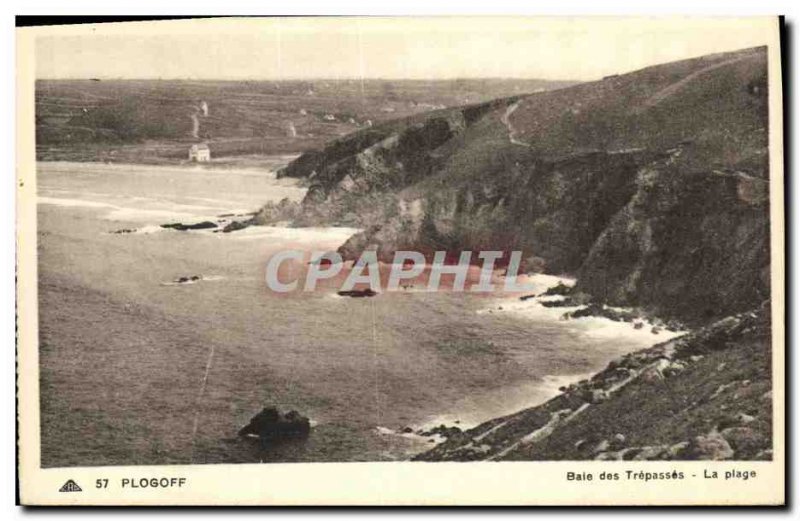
(315,7)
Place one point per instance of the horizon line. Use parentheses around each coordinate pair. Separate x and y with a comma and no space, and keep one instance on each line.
(321,78)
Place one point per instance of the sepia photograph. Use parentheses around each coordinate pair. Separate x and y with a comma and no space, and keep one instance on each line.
(444,244)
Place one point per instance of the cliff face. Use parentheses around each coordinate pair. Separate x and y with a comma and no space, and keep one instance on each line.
(651,187)
(691,244)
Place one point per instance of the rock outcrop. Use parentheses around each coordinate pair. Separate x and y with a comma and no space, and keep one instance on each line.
(205,225)
(357,293)
(187,279)
(270,425)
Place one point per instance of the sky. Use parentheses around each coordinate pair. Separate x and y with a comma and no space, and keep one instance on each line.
(414,48)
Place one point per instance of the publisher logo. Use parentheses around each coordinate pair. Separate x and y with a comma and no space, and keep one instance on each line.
(70,486)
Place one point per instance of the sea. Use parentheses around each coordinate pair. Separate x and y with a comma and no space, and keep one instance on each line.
(138,369)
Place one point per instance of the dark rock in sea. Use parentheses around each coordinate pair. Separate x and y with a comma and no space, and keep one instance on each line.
(591,310)
(125,230)
(184,280)
(407,430)
(357,293)
(563,303)
(442,430)
(559,289)
(270,424)
(527,297)
(673,325)
(324,261)
(183,227)
(599,310)
(237,225)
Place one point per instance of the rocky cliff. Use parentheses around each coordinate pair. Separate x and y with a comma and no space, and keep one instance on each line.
(652,187)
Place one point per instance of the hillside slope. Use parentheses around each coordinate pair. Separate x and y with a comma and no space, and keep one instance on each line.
(651,187)
(156,120)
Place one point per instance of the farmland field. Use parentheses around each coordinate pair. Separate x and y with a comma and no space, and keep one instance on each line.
(156,121)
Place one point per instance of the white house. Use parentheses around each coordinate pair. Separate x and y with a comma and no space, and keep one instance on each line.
(200,153)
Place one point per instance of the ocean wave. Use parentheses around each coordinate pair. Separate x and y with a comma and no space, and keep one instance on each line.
(316,235)
(140,214)
(152,228)
(468,413)
(595,328)
(428,441)
(75,203)
(122,213)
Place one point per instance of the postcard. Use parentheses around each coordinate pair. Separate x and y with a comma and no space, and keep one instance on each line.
(401,261)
